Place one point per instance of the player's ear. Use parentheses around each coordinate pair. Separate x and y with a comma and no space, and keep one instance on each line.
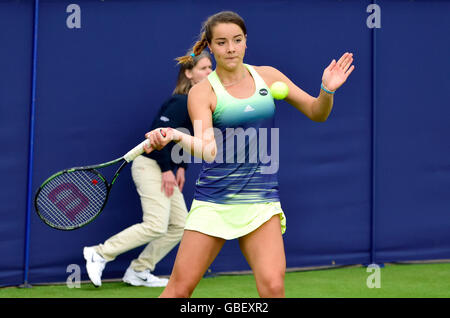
(188,73)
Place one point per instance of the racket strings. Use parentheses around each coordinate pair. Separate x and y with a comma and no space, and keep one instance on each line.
(72,199)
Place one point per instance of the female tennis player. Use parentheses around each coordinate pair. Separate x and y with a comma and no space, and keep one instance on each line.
(234,199)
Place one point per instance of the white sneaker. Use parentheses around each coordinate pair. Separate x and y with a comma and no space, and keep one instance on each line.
(94,265)
(144,278)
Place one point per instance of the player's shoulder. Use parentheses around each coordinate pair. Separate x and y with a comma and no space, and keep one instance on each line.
(201,93)
(269,73)
(202,88)
(266,70)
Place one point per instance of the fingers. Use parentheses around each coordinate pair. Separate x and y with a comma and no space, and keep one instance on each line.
(158,138)
(168,183)
(348,63)
(167,188)
(341,60)
(350,71)
(148,148)
(151,140)
(332,65)
(180,183)
(345,61)
(180,176)
(337,73)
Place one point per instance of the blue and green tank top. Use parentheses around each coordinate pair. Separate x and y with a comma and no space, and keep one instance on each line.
(243,171)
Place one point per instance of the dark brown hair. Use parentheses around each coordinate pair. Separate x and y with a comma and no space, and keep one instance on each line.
(206,32)
(183,83)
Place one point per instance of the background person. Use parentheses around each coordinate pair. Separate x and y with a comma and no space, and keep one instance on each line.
(163,206)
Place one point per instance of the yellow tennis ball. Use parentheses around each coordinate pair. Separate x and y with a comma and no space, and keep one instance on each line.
(279,90)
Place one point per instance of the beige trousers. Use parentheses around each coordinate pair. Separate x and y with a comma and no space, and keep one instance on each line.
(163,220)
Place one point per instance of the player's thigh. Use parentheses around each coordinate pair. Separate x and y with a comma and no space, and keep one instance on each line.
(196,252)
(264,251)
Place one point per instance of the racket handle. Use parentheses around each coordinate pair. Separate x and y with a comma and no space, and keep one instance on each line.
(136,151)
(139,149)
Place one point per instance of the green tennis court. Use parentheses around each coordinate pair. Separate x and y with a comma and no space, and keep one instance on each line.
(395,281)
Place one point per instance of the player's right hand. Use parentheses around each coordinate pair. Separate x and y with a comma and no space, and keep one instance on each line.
(158,138)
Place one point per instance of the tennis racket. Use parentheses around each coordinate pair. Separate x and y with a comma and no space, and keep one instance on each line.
(74,197)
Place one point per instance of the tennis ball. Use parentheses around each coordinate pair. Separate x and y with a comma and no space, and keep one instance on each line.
(279,90)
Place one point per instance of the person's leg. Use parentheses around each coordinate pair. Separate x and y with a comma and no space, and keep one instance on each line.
(161,246)
(264,251)
(196,252)
(155,207)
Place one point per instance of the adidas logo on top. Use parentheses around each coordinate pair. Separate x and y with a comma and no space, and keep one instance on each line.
(249,108)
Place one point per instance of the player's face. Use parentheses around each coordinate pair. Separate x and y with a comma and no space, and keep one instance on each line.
(228,45)
(199,71)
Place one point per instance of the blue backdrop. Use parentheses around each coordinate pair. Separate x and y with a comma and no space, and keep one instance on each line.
(369,185)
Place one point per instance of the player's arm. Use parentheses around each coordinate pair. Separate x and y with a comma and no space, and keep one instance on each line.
(203,143)
(316,108)
(296,97)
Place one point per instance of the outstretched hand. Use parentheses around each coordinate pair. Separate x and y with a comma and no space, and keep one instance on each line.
(337,72)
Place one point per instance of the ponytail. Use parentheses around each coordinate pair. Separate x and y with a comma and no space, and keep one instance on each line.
(197,49)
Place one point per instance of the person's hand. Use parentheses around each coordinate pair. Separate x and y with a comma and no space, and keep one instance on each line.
(337,72)
(158,138)
(180,177)
(168,183)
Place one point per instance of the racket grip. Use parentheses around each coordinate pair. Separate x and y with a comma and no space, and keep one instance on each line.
(136,151)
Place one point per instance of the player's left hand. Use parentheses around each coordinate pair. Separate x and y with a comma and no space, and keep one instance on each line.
(337,72)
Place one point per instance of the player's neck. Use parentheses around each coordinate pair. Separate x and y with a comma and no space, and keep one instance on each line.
(232,76)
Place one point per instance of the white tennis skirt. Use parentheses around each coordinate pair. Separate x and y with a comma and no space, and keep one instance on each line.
(230,221)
